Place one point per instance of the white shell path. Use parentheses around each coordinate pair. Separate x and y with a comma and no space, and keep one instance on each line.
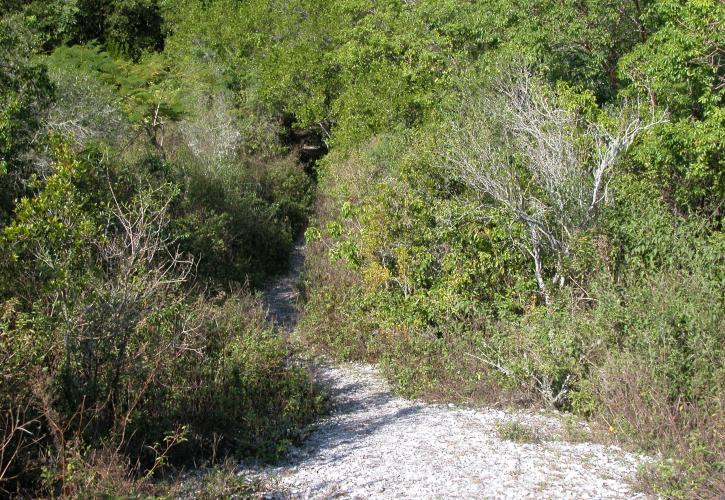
(379,446)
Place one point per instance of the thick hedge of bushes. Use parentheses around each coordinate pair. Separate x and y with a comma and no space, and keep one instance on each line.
(141,211)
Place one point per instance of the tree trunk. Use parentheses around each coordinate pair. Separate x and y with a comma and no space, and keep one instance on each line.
(536,254)
(158,143)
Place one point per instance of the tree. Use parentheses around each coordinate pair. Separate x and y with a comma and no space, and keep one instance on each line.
(147,94)
(124,27)
(579,41)
(25,94)
(87,106)
(681,67)
(516,144)
(151,98)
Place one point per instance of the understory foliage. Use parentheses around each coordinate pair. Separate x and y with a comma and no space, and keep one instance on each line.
(110,355)
(143,203)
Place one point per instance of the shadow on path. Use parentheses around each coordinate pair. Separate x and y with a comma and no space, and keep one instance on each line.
(359,408)
(281,297)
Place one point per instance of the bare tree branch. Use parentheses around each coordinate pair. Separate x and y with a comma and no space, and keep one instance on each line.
(514,144)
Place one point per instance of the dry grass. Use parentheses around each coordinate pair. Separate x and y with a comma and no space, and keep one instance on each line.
(518,432)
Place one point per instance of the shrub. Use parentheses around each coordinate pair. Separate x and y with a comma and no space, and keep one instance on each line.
(518,432)
(240,219)
(115,366)
(244,397)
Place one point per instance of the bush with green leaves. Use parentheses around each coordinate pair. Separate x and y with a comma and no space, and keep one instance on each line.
(110,351)
(25,95)
(240,218)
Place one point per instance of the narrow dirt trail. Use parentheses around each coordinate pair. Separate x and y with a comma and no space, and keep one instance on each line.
(281,297)
(378,445)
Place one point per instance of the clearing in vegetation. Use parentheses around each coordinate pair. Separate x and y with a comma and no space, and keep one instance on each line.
(375,444)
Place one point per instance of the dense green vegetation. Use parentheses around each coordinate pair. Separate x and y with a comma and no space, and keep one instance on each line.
(476,143)
(143,200)
(522,202)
